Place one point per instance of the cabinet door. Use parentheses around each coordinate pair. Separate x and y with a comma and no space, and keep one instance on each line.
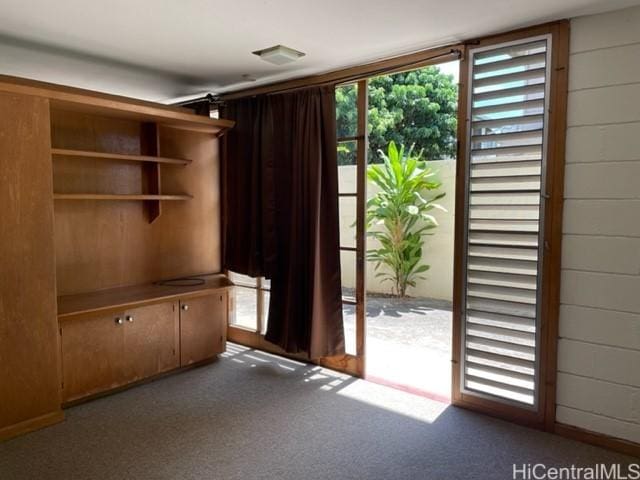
(92,355)
(151,339)
(202,327)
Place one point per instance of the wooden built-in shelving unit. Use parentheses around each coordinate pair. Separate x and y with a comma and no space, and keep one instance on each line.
(85,176)
(149,157)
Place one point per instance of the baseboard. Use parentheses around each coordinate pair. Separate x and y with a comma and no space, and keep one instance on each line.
(30,425)
(598,439)
(137,383)
(507,413)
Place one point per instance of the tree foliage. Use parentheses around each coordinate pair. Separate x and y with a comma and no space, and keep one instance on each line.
(412,108)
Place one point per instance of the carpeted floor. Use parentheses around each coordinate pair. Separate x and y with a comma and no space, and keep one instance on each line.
(255,416)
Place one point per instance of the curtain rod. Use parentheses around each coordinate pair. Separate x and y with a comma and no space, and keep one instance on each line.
(208,97)
(458,53)
(400,68)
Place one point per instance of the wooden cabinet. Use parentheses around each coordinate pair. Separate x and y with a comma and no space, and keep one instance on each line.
(203,326)
(102,352)
(82,179)
(117,337)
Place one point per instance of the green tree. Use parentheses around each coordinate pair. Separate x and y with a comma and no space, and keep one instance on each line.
(416,108)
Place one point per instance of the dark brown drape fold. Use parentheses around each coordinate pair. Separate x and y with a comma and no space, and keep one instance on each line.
(281,213)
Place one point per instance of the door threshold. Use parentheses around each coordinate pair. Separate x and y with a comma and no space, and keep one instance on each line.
(438,397)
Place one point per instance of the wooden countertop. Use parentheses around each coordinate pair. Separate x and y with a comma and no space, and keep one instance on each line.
(136,296)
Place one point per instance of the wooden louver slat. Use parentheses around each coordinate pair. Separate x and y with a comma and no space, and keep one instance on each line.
(505,201)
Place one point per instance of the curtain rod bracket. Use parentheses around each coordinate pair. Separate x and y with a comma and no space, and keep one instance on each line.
(215,100)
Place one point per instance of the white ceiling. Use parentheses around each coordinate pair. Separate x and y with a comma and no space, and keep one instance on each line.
(164,49)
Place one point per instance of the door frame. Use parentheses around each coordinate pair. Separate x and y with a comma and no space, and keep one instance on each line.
(543,416)
(348,363)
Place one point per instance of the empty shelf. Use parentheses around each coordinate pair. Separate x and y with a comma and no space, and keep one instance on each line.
(105,196)
(117,156)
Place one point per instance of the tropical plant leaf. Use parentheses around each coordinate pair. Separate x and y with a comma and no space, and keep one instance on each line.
(397,215)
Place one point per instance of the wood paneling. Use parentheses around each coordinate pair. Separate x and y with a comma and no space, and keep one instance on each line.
(190,241)
(106,244)
(92,175)
(150,146)
(151,340)
(202,328)
(96,103)
(29,348)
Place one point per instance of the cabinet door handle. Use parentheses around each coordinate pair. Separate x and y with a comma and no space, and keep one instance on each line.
(129,318)
(119,321)
(185,307)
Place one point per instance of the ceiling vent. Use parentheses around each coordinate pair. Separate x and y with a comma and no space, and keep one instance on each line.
(279,54)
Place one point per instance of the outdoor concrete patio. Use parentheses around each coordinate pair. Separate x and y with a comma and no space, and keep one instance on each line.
(408,343)
(408,340)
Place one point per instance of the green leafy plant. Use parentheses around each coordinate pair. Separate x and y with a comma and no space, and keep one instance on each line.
(398,216)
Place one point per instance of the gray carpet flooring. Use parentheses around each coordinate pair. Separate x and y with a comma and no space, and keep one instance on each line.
(255,416)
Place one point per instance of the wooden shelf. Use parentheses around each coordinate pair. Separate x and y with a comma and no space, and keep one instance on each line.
(108,196)
(59,152)
(85,101)
(135,296)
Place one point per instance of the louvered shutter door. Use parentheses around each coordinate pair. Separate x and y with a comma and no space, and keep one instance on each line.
(508,98)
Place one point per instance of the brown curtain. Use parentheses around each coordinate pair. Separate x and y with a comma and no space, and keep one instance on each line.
(281,213)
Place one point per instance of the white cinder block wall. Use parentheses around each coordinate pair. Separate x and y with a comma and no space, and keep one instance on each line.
(599,345)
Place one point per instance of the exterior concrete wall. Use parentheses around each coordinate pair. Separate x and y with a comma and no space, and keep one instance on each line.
(438,248)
